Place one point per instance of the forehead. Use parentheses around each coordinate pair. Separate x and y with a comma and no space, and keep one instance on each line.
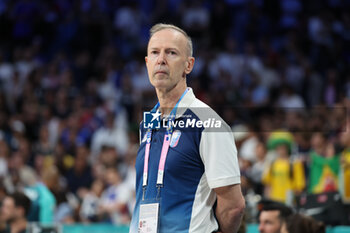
(8,201)
(168,38)
(269,215)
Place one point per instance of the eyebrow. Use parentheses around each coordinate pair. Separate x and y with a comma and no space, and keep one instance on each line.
(170,48)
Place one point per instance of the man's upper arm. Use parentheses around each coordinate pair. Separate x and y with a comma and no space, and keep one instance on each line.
(230,207)
(219,155)
(230,196)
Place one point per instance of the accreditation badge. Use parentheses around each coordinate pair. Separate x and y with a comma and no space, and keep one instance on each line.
(148,218)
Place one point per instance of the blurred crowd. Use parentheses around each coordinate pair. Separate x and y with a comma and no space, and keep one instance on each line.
(73,86)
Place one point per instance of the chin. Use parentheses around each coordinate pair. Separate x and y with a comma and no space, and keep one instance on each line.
(161,84)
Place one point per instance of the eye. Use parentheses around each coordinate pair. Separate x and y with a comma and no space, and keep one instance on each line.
(154,52)
(172,52)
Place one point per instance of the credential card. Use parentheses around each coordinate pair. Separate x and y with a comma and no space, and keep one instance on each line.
(148,218)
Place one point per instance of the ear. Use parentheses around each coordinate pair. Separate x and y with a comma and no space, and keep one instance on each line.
(189,65)
(146,59)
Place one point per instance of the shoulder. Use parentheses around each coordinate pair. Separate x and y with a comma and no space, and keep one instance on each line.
(206,114)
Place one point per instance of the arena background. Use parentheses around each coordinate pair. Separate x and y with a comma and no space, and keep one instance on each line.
(73,86)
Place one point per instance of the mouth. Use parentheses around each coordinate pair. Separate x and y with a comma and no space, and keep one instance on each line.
(161,72)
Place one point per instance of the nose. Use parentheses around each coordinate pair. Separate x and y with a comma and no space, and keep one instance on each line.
(261,228)
(161,58)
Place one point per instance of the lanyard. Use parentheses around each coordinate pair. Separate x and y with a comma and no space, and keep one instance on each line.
(165,147)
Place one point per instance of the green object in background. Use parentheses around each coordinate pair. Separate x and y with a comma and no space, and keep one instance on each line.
(95,228)
(280,138)
(323,173)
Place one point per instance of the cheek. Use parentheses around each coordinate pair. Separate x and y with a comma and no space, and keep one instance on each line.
(180,69)
(277,226)
(284,229)
(149,72)
(149,67)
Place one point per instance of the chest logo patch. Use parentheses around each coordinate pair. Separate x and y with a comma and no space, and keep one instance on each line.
(175,138)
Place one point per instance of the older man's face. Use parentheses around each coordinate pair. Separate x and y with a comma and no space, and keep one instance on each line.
(168,59)
(270,222)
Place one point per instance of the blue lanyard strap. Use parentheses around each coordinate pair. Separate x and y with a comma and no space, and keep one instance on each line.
(172,114)
(165,146)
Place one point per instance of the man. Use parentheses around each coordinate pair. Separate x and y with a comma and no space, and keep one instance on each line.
(14,210)
(187,180)
(297,223)
(272,217)
(43,202)
(283,176)
(114,199)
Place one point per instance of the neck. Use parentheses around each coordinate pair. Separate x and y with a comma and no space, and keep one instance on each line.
(168,98)
(18,225)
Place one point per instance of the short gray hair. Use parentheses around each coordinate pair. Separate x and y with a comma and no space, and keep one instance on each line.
(161,26)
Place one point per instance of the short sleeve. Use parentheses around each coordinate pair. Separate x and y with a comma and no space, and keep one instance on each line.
(219,155)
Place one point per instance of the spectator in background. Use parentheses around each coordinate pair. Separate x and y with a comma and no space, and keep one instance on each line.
(247,148)
(42,199)
(114,200)
(130,178)
(89,211)
(44,145)
(50,188)
(298,223)
(4,156)
(258,167)
(195,16)
(283,177)
(289,99)
(324,165)
(330,92)
(55,196)
(3,194)
(18,132)
(272,216)
(112,133)
(109,157)
(17,165)
(14,211)
(79,177)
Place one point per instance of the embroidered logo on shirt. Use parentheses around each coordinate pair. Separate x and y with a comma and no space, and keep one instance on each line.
(175,138)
